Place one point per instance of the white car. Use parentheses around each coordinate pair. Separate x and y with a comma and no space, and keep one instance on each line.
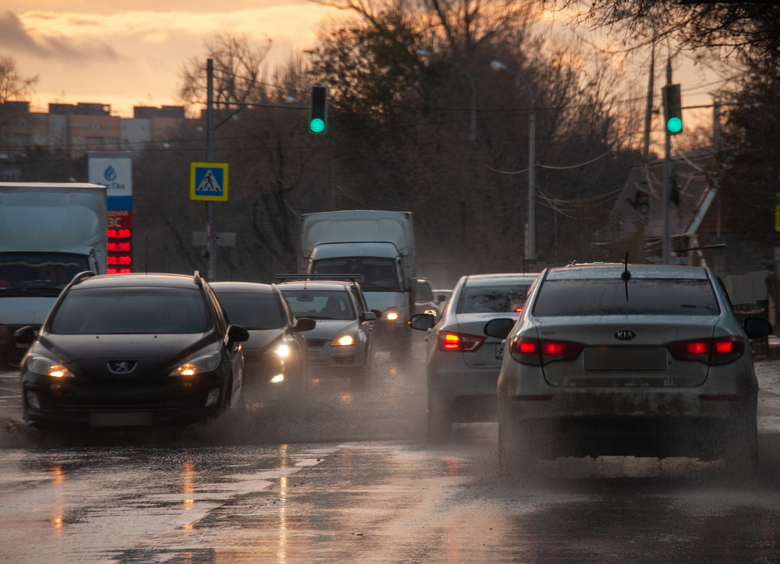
(462,361)
(634,360)
(341,345)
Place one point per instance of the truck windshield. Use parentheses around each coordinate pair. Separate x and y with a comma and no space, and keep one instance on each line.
(375,274)
(38,274)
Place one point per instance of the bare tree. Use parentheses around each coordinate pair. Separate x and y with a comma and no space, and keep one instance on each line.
(12,85)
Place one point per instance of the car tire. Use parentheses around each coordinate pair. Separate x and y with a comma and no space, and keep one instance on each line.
(516,456)
(742,454)
(439,420)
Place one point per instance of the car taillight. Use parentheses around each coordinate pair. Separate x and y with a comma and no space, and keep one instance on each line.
(711,352)
(449,341)
(540,352)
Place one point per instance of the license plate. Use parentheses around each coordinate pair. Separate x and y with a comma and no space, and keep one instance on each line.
(500,351)
(120,419)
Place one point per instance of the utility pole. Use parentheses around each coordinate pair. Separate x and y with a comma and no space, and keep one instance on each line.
(667,237)
(211,234)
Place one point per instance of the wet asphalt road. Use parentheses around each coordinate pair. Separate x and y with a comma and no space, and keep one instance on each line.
(347,476)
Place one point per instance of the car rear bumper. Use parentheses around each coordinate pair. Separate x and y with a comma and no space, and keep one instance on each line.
(468,396)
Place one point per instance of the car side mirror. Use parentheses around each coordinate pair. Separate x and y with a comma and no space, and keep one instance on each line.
(422,321)
(236,334)
(26,335)
(377,313)
(755,327)
(369,316)
(499,328)
(304,324)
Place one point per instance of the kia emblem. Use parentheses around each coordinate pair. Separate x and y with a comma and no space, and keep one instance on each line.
(624,335)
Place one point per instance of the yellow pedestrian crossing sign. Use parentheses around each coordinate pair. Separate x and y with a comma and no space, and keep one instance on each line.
(209,181)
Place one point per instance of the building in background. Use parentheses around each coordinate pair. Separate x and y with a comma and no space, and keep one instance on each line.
(75,129)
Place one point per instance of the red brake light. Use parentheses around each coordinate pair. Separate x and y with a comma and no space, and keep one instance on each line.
(711,352)
(539,353)
(449,341)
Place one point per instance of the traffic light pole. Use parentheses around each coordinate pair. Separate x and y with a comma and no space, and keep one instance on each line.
(211,234)
(667,236)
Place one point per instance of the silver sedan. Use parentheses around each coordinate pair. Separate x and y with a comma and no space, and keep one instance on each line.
(635,360)
(462,361)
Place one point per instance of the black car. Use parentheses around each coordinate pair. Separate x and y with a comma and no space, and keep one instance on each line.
(132,350)
(275,355)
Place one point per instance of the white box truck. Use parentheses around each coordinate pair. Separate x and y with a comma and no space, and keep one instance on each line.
(377,249)
(49,232)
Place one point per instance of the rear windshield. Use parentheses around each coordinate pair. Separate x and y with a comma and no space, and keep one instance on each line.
(320,304)
(253,311)
(138,311)
(499,299)
(559,298)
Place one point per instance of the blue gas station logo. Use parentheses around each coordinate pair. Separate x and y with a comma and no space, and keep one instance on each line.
(110,174)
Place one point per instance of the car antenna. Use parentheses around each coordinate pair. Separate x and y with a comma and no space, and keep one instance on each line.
(626,276)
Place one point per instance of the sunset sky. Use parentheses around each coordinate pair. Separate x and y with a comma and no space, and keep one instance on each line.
(128,53)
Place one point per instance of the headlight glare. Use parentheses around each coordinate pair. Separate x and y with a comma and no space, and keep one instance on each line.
(283,351)
(343,341)
(200,365)
(391,315)
(46,367)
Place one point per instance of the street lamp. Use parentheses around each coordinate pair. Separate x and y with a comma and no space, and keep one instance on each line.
(499,66)
(473,133)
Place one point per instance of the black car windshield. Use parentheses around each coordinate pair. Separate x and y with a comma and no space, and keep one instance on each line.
(497,299)
(558,298)
(38,273)
(139,311)
(320,304)
(375,274)
(253,311)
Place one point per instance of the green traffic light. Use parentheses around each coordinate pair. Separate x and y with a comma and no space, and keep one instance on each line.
(674,125)
(317,125)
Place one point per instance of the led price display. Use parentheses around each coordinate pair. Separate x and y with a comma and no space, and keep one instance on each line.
(120,242)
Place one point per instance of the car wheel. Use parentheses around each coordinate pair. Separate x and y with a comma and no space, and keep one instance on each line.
(742,453)
(439,419)
(516,455)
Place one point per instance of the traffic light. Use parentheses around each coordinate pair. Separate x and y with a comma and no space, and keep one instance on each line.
(673,109)
(318,118)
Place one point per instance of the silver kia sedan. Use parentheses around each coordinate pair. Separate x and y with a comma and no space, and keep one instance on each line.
(462,361)
(636,360)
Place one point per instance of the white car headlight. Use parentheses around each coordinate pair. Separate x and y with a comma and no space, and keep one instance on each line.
(283,351)
(391,315)
(47,367)
(200,365)
(343,341)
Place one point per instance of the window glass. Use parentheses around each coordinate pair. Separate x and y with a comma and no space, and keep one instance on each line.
(145,311)
(424,293)
(253,311)
(499,299)
(38,273)
(636,297)
(375,274)
(320,304)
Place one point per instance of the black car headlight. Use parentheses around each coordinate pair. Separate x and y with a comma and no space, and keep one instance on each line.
(199,365)
(391,314)
(47,367)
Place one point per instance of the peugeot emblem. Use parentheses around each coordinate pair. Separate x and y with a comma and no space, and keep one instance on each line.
(624,335)
(121,366)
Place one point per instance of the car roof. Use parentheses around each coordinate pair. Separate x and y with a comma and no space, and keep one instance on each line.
(139,280)
(499,279)
(316,285)
(242,287)
(616,270)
